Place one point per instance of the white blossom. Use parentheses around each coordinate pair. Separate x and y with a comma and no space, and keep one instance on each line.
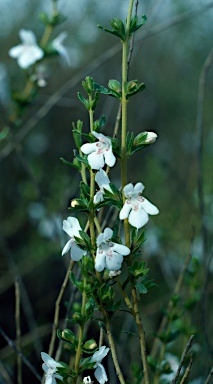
(136,207)
(72,227)
(109,255)
(99,153)
(28,52)
(103,182)
(97,358)
(50,367)
(57,44)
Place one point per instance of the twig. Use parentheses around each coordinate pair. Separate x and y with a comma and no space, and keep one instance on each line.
(4,374)
(210,375)
(57,308)
(26,304)
(24,359)
(187,372)
(54,99)
(188,346)
(18,330)
(61,342)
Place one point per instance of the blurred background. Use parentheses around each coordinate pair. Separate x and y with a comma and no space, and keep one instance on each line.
(36,187)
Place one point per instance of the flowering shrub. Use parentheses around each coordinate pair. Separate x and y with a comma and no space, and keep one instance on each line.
(105,250)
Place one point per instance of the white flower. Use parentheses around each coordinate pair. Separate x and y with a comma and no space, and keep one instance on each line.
(87,380)
(151,137)
(136,207)
(103,181)
(50,368)
(72,227)
(57,44)
(28,52)
(97,358)
(109,255)
(100,152)
(174,364)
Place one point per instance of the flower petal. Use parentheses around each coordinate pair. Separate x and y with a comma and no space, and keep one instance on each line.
(124,213)
(67,246)
(150,208)
(96,160)
(100,262)
(100,374)
(139,187)
(88,148)
(100,354)
(107,234)
(100,239)
(16,51)
(113,263)
(74,224)
(49,361)
(138,218)
(110,158)
(27,37)
(101,178)
(99,196)
(128,189)
(121,249)
(76,252)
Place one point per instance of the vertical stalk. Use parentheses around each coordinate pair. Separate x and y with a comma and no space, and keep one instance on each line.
(125,46)
(80,335)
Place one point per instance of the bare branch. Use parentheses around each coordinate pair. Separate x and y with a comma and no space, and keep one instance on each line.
(188,346)
(24,359)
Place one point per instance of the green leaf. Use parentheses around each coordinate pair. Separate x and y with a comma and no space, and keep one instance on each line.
(74,165)
(135,25)
(141,288)
(81,159)
(118,28)
(84,101)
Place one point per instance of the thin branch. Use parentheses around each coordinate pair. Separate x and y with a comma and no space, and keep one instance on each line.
(24,359)
(57,308)
(4,374)
(54,99)
(26,304)
(18,330)
(188,346)
(187,372)
(210,376)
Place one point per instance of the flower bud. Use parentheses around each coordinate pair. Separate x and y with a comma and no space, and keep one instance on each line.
(74,203)
(151,138)
(68,335)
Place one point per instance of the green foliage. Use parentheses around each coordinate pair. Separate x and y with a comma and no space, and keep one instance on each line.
(135,25)
(118,28)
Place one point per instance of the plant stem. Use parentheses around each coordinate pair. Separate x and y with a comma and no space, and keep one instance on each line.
(125,46)
(80,335)
(112,348)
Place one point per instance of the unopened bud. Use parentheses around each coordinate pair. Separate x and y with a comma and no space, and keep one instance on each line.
(74,203)
(114,274)
(151,137)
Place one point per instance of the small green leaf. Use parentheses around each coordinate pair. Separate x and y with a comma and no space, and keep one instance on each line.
(141,288)
(84,101)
